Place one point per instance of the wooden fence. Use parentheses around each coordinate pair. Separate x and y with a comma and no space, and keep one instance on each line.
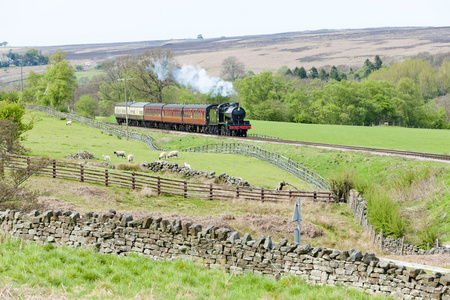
(133,180)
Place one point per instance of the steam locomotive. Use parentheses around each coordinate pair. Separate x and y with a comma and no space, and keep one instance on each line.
(221,119)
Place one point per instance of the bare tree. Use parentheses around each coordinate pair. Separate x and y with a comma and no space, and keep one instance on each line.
(233,68)
(152,73)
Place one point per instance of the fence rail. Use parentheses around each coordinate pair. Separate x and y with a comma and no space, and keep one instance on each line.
(58,169)
(272,158)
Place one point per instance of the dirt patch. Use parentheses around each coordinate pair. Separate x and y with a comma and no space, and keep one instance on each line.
(87,191)
(51,203)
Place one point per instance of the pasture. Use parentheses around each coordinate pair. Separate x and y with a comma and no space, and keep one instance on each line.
(385,137)
(51,137)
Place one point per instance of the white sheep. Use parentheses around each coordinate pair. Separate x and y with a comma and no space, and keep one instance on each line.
(120,153)
(172,154)
(130,157)
(106,157)
(162,155)
(187,166)
(69,123)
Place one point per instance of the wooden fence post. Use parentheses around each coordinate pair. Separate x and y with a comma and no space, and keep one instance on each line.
(381,240)
(159,185)
(133,181)
(54,169)
(210,191)
(237,191)
(262,194)
(106,177)
(185,189)
(28,166)
(315,196)
(401,249)
(82,173)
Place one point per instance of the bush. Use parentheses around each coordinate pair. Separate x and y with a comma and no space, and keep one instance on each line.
(384,214)
(427,235)
(341,184)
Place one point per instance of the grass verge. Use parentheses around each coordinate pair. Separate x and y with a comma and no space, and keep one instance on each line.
(28,269)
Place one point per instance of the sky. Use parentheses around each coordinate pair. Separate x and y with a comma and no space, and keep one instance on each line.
(68,22)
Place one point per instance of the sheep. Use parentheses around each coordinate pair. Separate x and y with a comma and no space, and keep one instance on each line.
(187,166)
(130,157)
(162,155)
(69,123)
(120,153)
(106,157)
(172,154)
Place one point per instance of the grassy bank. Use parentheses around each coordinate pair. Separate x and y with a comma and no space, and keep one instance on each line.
(28,269)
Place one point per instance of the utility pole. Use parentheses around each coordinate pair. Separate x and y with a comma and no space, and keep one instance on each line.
(126,102)
(21,79)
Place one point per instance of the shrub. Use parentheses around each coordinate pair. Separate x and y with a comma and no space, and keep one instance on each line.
(427,235)
(384,214)
(341,184)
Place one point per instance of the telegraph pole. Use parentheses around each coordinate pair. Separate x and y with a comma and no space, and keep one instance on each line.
(126,102)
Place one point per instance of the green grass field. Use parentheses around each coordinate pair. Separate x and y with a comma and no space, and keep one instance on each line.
(386,137)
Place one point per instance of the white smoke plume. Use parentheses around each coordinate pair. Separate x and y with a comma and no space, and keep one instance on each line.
(194,78)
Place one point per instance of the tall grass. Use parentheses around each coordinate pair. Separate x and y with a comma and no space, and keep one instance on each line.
(27,269)
(384,214)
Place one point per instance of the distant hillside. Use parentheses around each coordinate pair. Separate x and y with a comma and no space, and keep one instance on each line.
(270,52)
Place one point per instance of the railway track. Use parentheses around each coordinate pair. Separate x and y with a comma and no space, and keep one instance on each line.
(256,138)
(423,155)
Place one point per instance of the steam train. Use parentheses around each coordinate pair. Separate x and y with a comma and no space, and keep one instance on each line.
(221,119)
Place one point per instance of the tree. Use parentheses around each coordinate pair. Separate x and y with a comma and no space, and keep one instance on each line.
(60,81)
(323,75)
(300,72)
(34,88)
(86,106)
(263,96)
(378,62)
(13,112)
(152,73)
(334,74)
(313,73)
(233,68)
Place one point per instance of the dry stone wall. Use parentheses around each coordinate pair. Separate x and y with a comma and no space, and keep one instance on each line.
(220,248)
(392,246)
(163,166)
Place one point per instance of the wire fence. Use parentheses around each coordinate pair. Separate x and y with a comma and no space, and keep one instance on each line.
(114,130)
(272,158)
(159,185)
